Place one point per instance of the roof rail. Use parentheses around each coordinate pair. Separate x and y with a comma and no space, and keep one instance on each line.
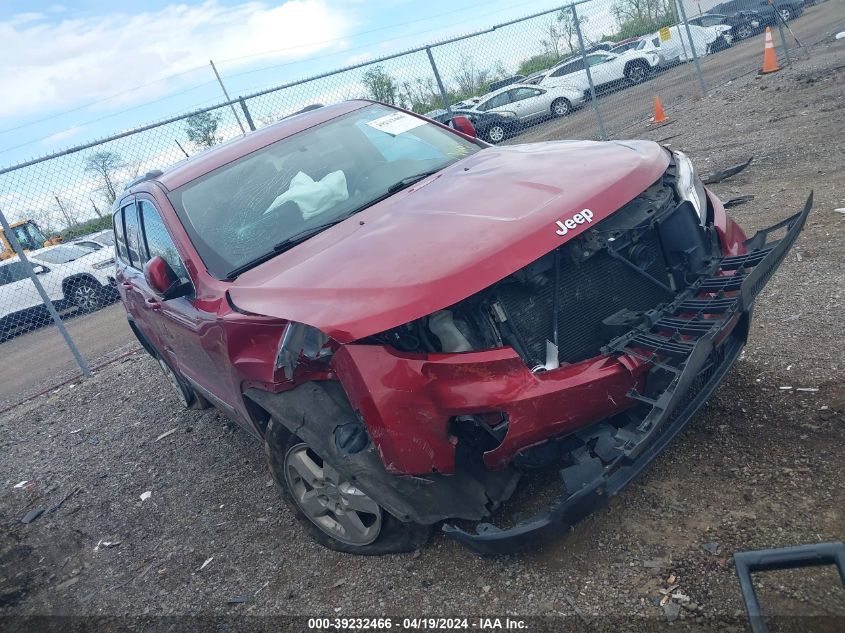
(150,175)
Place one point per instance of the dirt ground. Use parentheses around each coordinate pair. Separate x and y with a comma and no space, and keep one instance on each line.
(761,466)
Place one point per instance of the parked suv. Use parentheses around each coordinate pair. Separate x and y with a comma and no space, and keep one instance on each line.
(411,321)
(71,276)
(607,70)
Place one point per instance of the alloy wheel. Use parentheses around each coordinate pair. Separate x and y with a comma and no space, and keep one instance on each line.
(334,505)
(785,13)
(561,107)
(496,134)
(174,381)
(636,74)
(86,297)
(743,32)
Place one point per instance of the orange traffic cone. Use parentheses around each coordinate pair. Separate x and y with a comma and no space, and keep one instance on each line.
(659,114)
(770,58)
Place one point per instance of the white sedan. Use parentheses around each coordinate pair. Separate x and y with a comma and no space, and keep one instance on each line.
(527,103)
(71,276)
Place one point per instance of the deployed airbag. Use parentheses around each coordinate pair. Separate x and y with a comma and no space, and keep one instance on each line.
(313,196)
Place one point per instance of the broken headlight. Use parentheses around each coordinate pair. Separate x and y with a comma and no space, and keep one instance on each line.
(300,341)
(689,186)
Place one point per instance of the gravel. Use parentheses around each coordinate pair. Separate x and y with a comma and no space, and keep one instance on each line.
(760,466)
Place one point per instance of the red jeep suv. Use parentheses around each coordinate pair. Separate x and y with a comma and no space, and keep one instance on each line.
(411,320)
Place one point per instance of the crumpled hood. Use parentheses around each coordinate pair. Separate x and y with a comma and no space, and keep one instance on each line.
(449,236)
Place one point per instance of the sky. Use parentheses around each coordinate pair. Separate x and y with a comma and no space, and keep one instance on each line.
(76,72)
(81,70)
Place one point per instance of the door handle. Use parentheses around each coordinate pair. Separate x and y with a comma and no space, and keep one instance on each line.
(125,284)
(154,304)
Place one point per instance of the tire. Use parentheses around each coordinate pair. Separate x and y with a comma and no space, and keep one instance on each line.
(496,133)
(743,31)
(786,13)
(87,295)
(561,107)
(187,395)
(636,73)
(720,44)
(323,504)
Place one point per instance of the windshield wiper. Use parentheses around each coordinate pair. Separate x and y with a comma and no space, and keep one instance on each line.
(285,244)
(407,181)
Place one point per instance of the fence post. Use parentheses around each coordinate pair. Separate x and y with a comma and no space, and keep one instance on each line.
(248,116)
(683,13)
(599,120)
(13,240)
(226,94)
(439,81)
(779,20)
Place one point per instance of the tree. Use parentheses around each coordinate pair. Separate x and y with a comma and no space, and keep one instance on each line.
(380,85)
(471,80)
(201,129)
(562,30)
(105,165)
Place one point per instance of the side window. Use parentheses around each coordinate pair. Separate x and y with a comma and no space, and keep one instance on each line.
(569,68)
(524,93)
(496,102)
(595,60)
(158,240)
(133,236)
(120,236)
(15,271)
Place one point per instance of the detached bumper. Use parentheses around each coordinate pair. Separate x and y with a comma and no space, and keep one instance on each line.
(690,345)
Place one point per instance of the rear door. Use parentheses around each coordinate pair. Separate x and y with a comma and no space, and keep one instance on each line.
(571,73)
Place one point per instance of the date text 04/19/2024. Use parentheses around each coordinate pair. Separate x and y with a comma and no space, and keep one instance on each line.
(417,624)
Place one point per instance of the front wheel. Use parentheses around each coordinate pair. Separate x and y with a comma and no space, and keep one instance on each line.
(719,45)
(785,13)
(496,133)
(333,510)
(561,107)
(636,73)
(87,295)
(743,31)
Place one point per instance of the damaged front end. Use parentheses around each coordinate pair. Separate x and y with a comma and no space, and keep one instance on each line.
(589,360)
(689,345)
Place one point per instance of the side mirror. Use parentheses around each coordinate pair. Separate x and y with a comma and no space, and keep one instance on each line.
(464,126)
(163,280)
(38,269)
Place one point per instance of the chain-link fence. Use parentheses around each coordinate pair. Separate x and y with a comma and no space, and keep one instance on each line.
(589,70)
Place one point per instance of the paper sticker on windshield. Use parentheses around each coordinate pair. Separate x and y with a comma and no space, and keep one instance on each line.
(395,123)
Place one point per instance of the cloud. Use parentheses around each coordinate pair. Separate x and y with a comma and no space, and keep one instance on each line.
(51,64)
(62,136)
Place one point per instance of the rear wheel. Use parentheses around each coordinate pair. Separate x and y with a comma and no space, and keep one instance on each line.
(785,13)
(333,510)
(561,107)
(496,133)
(636,72)
(187,395)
